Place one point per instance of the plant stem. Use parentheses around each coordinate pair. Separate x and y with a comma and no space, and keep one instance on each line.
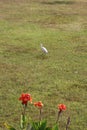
(24,109)
(23,117)
(59,112)
(68,122)
(40,115)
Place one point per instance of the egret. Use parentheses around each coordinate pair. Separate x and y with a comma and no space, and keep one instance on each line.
(44,49)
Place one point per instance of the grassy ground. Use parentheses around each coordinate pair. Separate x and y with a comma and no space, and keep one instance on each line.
(60,76)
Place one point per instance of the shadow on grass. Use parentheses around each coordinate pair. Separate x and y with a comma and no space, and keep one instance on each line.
(59,2)
(42,56)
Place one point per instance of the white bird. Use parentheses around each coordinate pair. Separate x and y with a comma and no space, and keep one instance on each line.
(44,49)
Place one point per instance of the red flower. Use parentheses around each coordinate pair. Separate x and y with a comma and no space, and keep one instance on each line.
(61,107)
(38,104)
(25,98)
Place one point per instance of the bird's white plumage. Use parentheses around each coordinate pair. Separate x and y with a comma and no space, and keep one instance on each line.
(44,49)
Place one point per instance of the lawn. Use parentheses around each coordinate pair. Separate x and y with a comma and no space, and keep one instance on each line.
(58,77)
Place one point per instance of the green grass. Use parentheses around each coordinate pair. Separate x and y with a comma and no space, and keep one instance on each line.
(60,76)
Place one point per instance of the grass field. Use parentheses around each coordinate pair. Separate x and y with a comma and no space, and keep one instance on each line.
(58,77)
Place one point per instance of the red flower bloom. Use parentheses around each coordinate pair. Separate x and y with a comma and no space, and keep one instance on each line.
(25,98)
(38,104)
(61,107)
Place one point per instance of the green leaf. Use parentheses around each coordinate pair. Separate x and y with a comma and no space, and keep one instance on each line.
(40,125)
(55,127)
(35,125)
(9,127)
(43,124)
(23,121)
